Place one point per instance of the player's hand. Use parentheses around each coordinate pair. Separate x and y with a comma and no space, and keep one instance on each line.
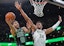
(60,18)
(28,25)
(9,21)
(17,5)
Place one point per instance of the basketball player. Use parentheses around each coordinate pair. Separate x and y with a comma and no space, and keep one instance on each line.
(38,7)
(39,34)
(17,31)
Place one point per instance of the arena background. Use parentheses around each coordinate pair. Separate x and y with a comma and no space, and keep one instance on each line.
(51,13)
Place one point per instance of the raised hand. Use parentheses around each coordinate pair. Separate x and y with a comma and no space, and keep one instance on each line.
(60,18)
(9,21)
(17,5)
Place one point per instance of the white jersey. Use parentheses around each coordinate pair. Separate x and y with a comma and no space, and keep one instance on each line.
(39,37)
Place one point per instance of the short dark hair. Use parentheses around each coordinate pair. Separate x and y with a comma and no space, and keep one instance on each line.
(38,22)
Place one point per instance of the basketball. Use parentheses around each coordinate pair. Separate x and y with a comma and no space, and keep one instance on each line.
(10,15)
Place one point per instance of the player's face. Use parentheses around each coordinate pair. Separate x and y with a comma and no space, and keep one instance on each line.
(39,25)
(16,24)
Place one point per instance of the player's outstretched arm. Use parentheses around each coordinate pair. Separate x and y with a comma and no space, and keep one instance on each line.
(27,19)
(18,6)
(51,29)
(12,29)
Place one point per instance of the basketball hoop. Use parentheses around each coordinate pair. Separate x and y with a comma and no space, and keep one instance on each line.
(38,7)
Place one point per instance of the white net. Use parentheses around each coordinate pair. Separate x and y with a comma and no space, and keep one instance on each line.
(38,7)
